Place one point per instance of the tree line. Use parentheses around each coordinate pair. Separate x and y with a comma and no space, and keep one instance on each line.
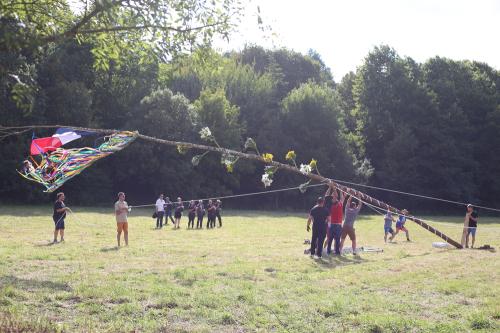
(429,128)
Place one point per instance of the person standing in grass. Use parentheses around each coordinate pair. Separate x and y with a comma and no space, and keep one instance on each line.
(319,216)
(200,213)
(169,207)
(470,225)
(121,211)
(388,219)
(335,225)
(218,210)
(160,211)
(59,215)
(191,214)
(179,207)
(351,212)
(210,214)
(400,225)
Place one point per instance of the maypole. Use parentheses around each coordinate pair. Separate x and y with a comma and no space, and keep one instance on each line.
(234,155)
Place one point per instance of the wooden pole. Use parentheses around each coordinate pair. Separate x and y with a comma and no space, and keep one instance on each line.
(352,192)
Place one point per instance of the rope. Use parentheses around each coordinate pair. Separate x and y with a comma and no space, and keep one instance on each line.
(413,194)
(237,195)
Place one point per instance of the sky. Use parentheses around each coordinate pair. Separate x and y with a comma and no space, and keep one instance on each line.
(344,31)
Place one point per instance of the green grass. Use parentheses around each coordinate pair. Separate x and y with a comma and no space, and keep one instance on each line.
(249,276)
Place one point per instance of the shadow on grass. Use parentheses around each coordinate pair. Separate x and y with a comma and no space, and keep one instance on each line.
(28,284)
(110,249)
(337,261)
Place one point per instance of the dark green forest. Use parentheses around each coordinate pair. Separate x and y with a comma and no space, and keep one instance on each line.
(430,128)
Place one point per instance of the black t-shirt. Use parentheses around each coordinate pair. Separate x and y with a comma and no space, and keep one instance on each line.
(319,215)
(211,210)
(328,202)
(168,206)
(58,216)
(179,207)
(472,223)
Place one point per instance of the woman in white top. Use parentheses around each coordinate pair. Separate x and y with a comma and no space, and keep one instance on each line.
(121,210)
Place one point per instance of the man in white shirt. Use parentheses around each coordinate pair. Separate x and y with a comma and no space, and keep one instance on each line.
(160,211)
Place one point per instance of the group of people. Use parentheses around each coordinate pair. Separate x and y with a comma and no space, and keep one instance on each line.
(327,217)
(196,210)
(331,221)
(400,225)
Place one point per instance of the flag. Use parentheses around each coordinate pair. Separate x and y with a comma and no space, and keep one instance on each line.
(61,137)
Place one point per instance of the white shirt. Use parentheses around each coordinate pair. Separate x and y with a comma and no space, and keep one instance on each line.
(160,203)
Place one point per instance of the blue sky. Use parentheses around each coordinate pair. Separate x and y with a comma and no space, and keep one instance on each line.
(343,32)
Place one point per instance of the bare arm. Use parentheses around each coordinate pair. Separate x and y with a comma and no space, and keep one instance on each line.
(309,220)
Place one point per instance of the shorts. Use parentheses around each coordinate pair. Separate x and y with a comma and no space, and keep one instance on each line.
(348,230)
(178,215)
(59,224)
(471,231)
(388,230)
(401,227)
(122,226)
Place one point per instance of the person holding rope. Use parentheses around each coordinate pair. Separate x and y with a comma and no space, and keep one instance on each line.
(121,211)
(200,213)
(58,216)
(388,219)
(191,214)
(179,207)
(351,212)
(320,217)
(169,207)
(218,209)
(335,224)
(400,225)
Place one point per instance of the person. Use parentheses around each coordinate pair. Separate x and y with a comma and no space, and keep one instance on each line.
(191,214)
(351,212)
(200,213)
(179,207)
(160,211)
(218,209)
(210,214)
(335,225)
(59,215)
(400,225)
(319,216)
(169,206)
(471,216)
(388,219)
(121,211)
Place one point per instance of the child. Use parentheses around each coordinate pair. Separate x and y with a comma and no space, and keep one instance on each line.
(388,219)
(200,213)
(400,225)
(178,213)
(191,214)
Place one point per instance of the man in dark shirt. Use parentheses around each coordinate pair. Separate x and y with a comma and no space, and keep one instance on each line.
(319,216)
(58,216)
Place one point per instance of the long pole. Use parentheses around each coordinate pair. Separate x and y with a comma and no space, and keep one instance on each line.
(352,192)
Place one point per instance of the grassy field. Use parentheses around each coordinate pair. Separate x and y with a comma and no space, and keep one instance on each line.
(249,276)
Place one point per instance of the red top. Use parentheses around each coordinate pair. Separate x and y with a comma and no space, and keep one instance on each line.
(336,213)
